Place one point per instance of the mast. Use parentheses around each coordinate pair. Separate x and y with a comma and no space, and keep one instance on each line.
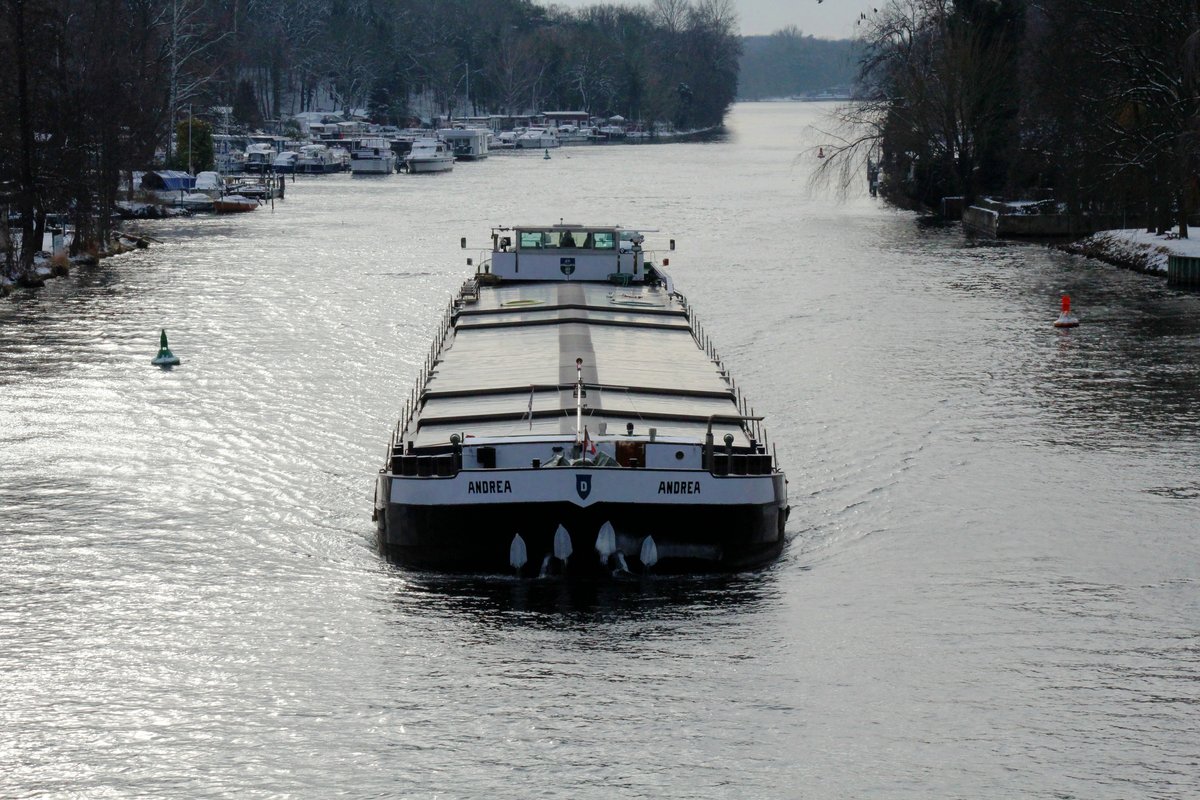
(579,401)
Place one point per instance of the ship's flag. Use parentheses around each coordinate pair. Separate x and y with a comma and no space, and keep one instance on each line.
(588,445)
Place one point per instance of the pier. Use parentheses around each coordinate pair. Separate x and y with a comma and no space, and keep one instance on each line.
(998,219)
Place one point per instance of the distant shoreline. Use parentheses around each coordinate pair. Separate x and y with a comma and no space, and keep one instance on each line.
(833,98)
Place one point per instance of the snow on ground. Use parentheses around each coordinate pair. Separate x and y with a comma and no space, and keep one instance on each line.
(1024,206)
(1135,248)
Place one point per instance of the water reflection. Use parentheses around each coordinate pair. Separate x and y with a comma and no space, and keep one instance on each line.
(554,602)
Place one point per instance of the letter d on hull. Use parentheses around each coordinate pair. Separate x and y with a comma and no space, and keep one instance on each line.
(583,486)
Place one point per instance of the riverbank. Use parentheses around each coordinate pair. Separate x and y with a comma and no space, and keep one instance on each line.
(146,204)
(1134,248)
(59,265)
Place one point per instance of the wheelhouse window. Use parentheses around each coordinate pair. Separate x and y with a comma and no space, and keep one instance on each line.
(531,240)
(603,240)
(567,239)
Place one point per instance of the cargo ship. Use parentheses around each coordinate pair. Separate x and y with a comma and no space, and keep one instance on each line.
(573,418)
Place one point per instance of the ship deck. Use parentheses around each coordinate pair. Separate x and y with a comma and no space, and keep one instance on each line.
(516,348)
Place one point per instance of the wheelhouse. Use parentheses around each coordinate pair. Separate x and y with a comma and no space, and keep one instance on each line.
(568,252)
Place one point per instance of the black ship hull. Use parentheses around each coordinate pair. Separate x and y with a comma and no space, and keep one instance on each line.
(478,538)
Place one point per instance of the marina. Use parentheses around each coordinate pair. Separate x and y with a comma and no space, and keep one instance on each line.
(325,147)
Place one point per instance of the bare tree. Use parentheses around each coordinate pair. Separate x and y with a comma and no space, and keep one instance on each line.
(23,25)
(936,101)
(189,38)
(671,15)
(514,69)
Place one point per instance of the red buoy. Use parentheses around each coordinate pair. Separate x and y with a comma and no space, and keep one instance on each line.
(1065,320)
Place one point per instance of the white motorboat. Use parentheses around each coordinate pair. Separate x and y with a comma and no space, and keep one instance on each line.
(210,184)
(372,157)
(316,159)
(429,155)
(538,139)
(573,418)
(573,134)
(341,158)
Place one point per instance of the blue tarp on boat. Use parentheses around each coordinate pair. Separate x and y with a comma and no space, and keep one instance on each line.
(168,180)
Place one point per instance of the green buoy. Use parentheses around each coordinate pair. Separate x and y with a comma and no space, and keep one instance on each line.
(547,153)
(165,357)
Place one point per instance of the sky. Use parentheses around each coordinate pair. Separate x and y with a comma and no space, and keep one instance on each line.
(829,19)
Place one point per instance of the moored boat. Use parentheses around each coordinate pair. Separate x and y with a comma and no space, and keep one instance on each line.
(538,139)
(234,204)
(258,158)
(210,183)
(429,155)
(372,157)
(468,144)
(285,163)
(341,158)
(572,417)
(316,159)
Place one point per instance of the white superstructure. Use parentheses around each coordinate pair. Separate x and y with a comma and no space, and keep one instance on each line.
(429,155)
(372,157)
(468,144)
(538,139)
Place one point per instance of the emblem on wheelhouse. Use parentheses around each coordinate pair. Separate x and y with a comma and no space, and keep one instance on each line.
(572,417)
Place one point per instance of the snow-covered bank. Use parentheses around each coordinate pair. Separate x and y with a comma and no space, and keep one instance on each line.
(1133,248)
(59,265)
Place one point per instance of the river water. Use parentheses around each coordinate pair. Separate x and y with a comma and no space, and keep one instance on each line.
(992,587)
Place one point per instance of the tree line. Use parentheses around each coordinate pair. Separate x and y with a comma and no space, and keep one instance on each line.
(1095,103)
(789,63)
(91,89)
(673,60)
